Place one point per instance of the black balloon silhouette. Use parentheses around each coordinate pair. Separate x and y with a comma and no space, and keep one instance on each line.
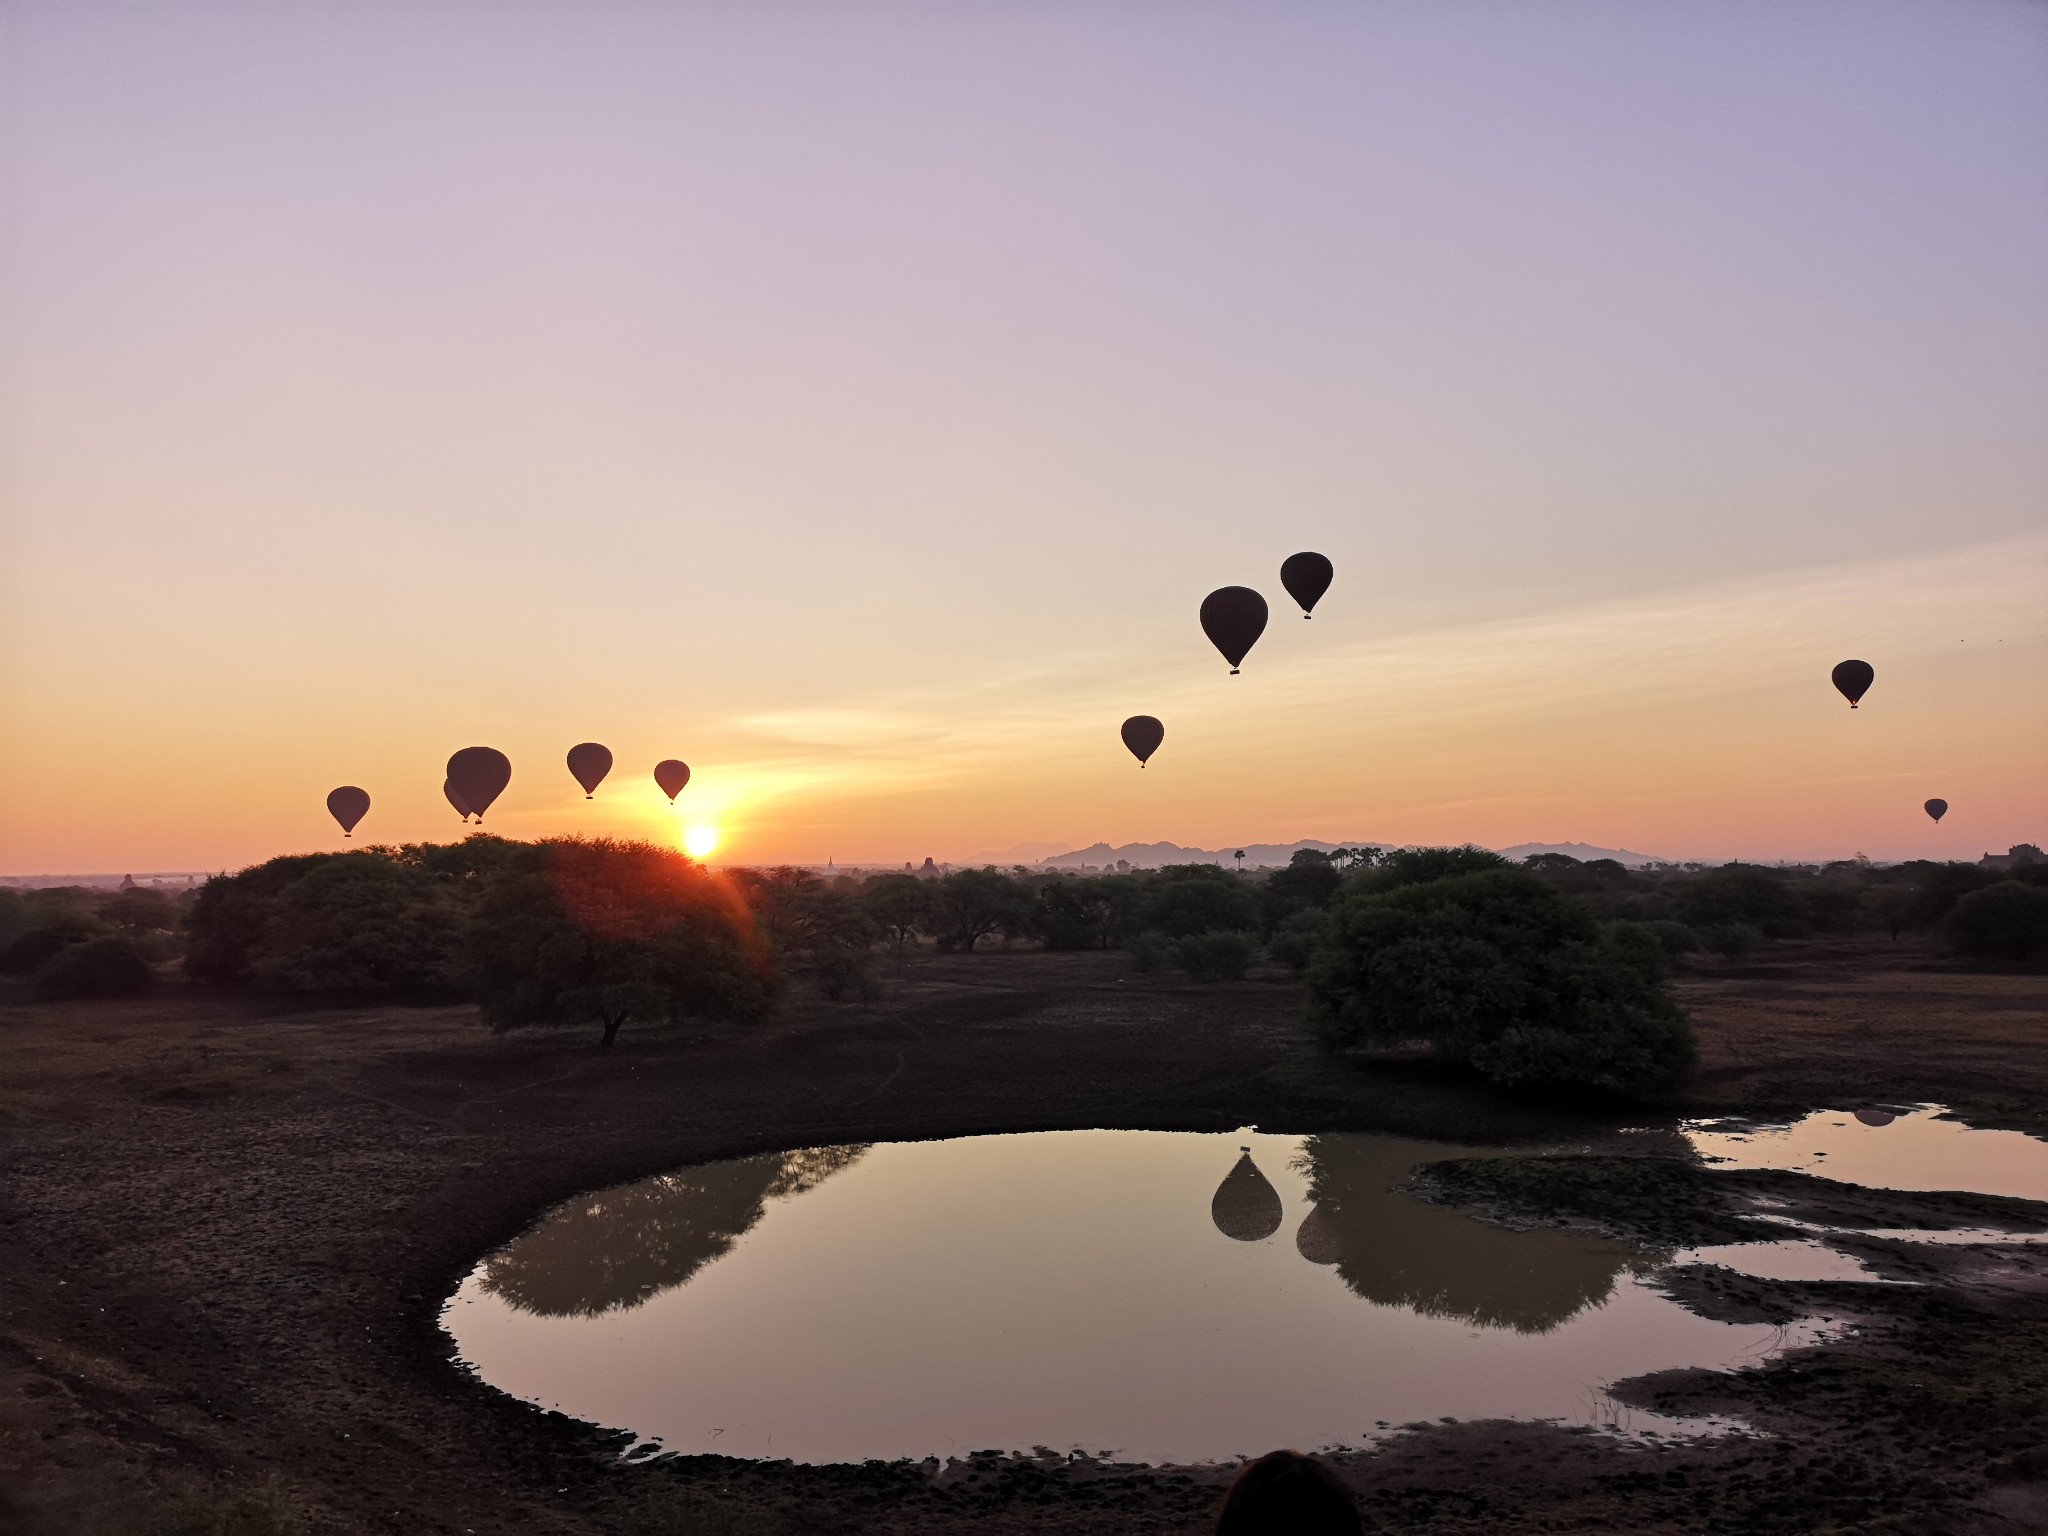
(588,764)
(455,798)
(1142,734)
(1246,1207)
(1875,1116)
(1306,577)
(347,805)
(1233,618)
(1936,808)
(1854,678)
(479,775)
(671,776)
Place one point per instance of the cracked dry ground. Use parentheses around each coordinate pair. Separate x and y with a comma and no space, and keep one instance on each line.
(226,1230)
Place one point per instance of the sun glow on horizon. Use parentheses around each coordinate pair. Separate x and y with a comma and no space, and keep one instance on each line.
(699,842)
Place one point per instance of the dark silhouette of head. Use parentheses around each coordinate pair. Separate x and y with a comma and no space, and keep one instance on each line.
(1285,1493)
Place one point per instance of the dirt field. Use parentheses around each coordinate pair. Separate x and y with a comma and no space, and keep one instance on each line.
(226,1231)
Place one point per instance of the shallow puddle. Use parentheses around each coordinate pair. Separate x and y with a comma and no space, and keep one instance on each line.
(1884,1147)
(1154,1297)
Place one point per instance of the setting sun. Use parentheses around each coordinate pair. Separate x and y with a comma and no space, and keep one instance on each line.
(699,841)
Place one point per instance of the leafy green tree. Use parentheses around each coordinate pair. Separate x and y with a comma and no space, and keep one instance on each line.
(228,916)
(900,906)
(2006,921)
(361,924)
(1940,886)
(1497,969)
(970,904)
(139,911)
(1311,879)
(606,933)
(1742,893)
(1187,899)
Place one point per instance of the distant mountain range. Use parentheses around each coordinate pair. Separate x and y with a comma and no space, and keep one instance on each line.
(1267,855)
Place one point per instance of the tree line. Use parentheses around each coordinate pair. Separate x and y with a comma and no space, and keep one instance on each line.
(1553,971)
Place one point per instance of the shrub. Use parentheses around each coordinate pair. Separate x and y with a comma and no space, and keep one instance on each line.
(32,949)
(1295,941)
(1152,951)
(1215,956)
(2006,921)
(607,932)
(96,968)
(1732,941)
(1674,938)
(1497,969)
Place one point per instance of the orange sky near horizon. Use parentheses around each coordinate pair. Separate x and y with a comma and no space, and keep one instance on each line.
(857,401)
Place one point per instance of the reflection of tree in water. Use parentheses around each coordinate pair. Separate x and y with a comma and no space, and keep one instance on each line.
(1395,1250)
(619,1247)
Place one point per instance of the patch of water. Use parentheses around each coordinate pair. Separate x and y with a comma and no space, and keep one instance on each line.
(1884,1147)
(1147,1296)
(1781,1261)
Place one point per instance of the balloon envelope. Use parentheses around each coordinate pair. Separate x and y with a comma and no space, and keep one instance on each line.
(1245,1206)
(1854,678)
(455,798)
(1306,577)
(347,805)
(479,775)
(588,764)
(1233,618)
(1936,808)
(671,776)
(1142,734)
(1875,1116)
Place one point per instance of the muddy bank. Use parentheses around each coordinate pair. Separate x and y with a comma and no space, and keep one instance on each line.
(225,1233)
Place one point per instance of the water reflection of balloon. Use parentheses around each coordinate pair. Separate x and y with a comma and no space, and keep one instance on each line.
(1306,577)
(479,775)
(1233,618)
(455,798)
(1876,1116)
(671,776)
(1317,1238)
(1246,1206)
(1936,808)
(1853,679)
(347,805)
(1142,734)
(588,764)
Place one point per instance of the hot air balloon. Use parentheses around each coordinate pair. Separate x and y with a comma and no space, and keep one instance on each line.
(671,776)
(455,798)
(1854,678)
(479,775)
(1245,1206)
(348,805)
(1306,577)
(1142,734)
(1936,808)
(1233,618)
(1875,1116)
(588,764)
